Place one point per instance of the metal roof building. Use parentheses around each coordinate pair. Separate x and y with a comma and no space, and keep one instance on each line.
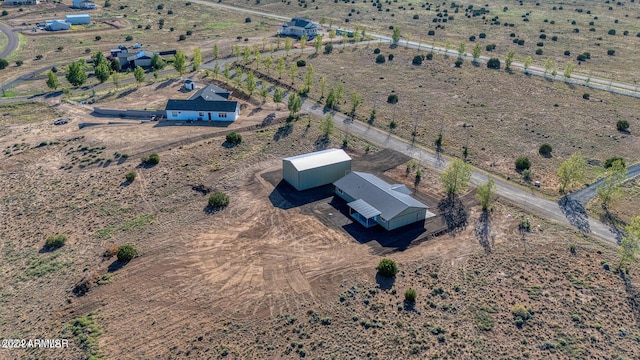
(315,169)
(373,201)
(78,19)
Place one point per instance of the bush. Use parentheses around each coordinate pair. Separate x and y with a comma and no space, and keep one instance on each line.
(19,62)
(567,53)
(387,268)
(390,57)
(523,163)
(410,295)
(128,38)
(585,96)
(431,33)
(55,241)
(417,60)
(234,138)
(392,99)
(611,52)
(545,150)
(152,159)
(554,38)
(609,162)
(541,44)
(218,200)
(301,63)
(611,32)
(160,7)
(126,252)
(376,51)
(622,125)
(490,47)
(416,17)
(130,176)
(543,36)
(493,63)
(482,35)
(182,37)
(98,37)
(539,52)
(247,20)
(5,13)
(3,64)
(472,38)
(458,63)
(526,175)
(328,48)
(429,56)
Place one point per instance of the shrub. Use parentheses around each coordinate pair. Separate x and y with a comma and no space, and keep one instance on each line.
(390,57)
(152,159)
(5,13)
(472,38)
(521,42)
(622,125)
(539,52)
(493,63)
(611,32)
(432,33)
(410,295)
(247,20)
(387,268)
(554,38)
(545,150)
(416,17)
(392,99)
(429,56)
(128,38)
(417,60)
(376,51)
(482,35)
(170,12)
(543,36)
(130,176)
(540,44)
(526,175)
(301,63)
(609,162)
(126,252)
(234,138)
(521,314)
(458,63)
(490,47)
(328,48)
(182,37)
(611,52)
(218,200)
(98,37)
(523,163)
(585,96)
(160,7)
(567,53)
(19,62)
(55,241)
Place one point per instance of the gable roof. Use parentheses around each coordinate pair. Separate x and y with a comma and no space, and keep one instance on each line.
(211,93)
(318,159)
(302,23)
(200,104)
(377,193)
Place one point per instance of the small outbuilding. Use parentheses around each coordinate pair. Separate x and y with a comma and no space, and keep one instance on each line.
(372,201)
(84,4)
(57,25)
(79,19)
(315,169)
(189,84)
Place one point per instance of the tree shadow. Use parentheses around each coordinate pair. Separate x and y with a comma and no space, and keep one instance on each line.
(268,120)
(616,225)
(321,143)
(482,231)
(385,283)
(453,212)
(116,265)
(575,213)
(409,306)
(283,131)
(126,93)
(125,183)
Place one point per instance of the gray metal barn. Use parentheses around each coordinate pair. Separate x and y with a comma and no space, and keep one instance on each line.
(315,169)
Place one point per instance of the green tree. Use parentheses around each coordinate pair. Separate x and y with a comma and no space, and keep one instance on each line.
(264,92)
(102,71)
(180,62)
(477,50)
(196,61)
(395,37)
(115,78)
(339,93)
(527,63)
(630,243)
(216,51)
(323,86)
(157,63)
(288,45)
(268,63)
(303,42)
(571,170)
(568,70)
(126,253)
(227,72)
(327,126)
(610,189)
(548,65)
(317,43)
(216,70)
(52,81)
(332,34)
(455,177)
(331,99)
(278,95)
(356,36)
(509,59)
(76,75)
(461,48)
(281,67)
(138,73)
(387,268)
(308,79)
(447,46)
(486,194)
(293,72)
(356,100)
(98,58)
(294,105)
(251,83)
(218,200)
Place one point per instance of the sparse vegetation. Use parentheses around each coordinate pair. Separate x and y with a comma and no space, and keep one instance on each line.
(523,163)
(387,268)
(55,242)
(410,295)
(130,176)
(234,138)
(218,200)
(126,253)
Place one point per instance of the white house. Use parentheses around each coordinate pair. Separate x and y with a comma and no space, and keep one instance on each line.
(208,104)
(57,25)
(78,19)
(299,27)
(22,2)
(372,201)
(83,4)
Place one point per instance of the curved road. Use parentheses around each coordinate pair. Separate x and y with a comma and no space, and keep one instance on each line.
(12,41)
(585,194)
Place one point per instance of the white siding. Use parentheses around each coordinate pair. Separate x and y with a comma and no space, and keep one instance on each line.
(202,115)
(314,177)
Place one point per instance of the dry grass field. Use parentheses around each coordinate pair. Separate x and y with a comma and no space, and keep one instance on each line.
(550,18)
(257,280)
(623,209)
(497,115)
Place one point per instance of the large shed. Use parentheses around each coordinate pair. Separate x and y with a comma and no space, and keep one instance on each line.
(315,169)
(78,19)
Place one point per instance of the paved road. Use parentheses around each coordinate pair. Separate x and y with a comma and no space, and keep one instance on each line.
(585,194)
(12,42)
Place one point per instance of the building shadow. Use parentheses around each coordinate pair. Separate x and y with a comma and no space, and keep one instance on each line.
(285,197)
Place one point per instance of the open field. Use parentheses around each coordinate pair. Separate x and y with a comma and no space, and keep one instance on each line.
(454,26)
(623,209)
(497,115)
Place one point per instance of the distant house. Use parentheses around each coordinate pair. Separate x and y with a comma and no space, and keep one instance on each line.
(57,25)
(79,19)
(208,104)
(299,27)
(372,201)
(22,2)
(315,169)
(83,4)
(129,60)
